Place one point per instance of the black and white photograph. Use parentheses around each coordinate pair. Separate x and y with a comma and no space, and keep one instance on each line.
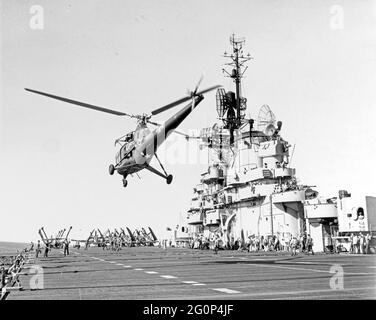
(186,155)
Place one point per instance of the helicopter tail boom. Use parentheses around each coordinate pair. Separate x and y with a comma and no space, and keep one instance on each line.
(160,134)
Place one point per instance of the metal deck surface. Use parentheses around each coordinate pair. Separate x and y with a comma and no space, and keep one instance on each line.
(175,273)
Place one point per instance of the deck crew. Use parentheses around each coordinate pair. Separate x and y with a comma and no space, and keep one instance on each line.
(46,249)
(216,244)
(266,244)
(66,247)
(368,240)
(293,246)
(38,251)
(3,272)
(309,244)
(361,243)
(355,244)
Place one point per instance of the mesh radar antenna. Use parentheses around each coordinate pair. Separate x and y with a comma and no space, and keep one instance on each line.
(266,120)
(237,63)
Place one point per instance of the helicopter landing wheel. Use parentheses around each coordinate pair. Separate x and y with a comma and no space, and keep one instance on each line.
(111,169)
(169,179)
(125,183)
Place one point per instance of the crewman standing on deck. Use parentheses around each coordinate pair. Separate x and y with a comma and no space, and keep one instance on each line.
(38,251)
(66,247)
(293,245)
(361,243)
(46,249)
(216,244)
(3,275)
(368,240)
(309,245)
(355,244)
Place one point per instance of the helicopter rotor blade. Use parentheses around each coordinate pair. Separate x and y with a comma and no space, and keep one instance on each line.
(170,105)
(174,131)
(186,136)
(154,123)
(81,104)
(208,89)
(177,102)
(193,102)
(198,84)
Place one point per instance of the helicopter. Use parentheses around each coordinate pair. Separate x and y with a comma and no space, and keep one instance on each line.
(139,146)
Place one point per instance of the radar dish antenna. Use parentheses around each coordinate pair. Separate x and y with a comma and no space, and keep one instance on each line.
(220,97)
(266,120)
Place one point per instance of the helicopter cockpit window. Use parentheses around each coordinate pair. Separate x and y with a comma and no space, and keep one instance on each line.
(141,134)
(129,136)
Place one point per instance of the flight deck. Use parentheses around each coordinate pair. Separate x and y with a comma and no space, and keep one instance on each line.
(181,273)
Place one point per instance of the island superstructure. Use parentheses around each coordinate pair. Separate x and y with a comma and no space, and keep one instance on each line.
(250,188)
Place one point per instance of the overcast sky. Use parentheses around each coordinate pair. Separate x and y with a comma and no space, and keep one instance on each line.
(314,65)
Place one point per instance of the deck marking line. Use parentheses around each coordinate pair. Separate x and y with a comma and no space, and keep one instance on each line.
(119,264)
(305,262)
(168,277)
(299,293)
(189,282)
(307,269)
(127,266)
(225,290)
(138,269)
(198,284)
(151,272)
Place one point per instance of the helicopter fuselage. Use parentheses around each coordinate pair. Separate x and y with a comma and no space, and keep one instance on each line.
(136,154)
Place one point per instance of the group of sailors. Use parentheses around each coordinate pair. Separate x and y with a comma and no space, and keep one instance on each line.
(115,242)
(48,246)
(303,243)
(255,243)
(201,242)
(10,268)
(359,243)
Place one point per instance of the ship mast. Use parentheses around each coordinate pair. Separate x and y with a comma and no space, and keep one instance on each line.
(238,61)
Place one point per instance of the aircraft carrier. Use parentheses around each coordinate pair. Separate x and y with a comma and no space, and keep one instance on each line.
(250,190)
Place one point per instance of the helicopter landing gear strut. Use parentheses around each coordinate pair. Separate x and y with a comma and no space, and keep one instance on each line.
(125,182)
(168,177)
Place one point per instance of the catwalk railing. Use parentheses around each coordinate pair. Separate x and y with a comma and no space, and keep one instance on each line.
(10,268)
